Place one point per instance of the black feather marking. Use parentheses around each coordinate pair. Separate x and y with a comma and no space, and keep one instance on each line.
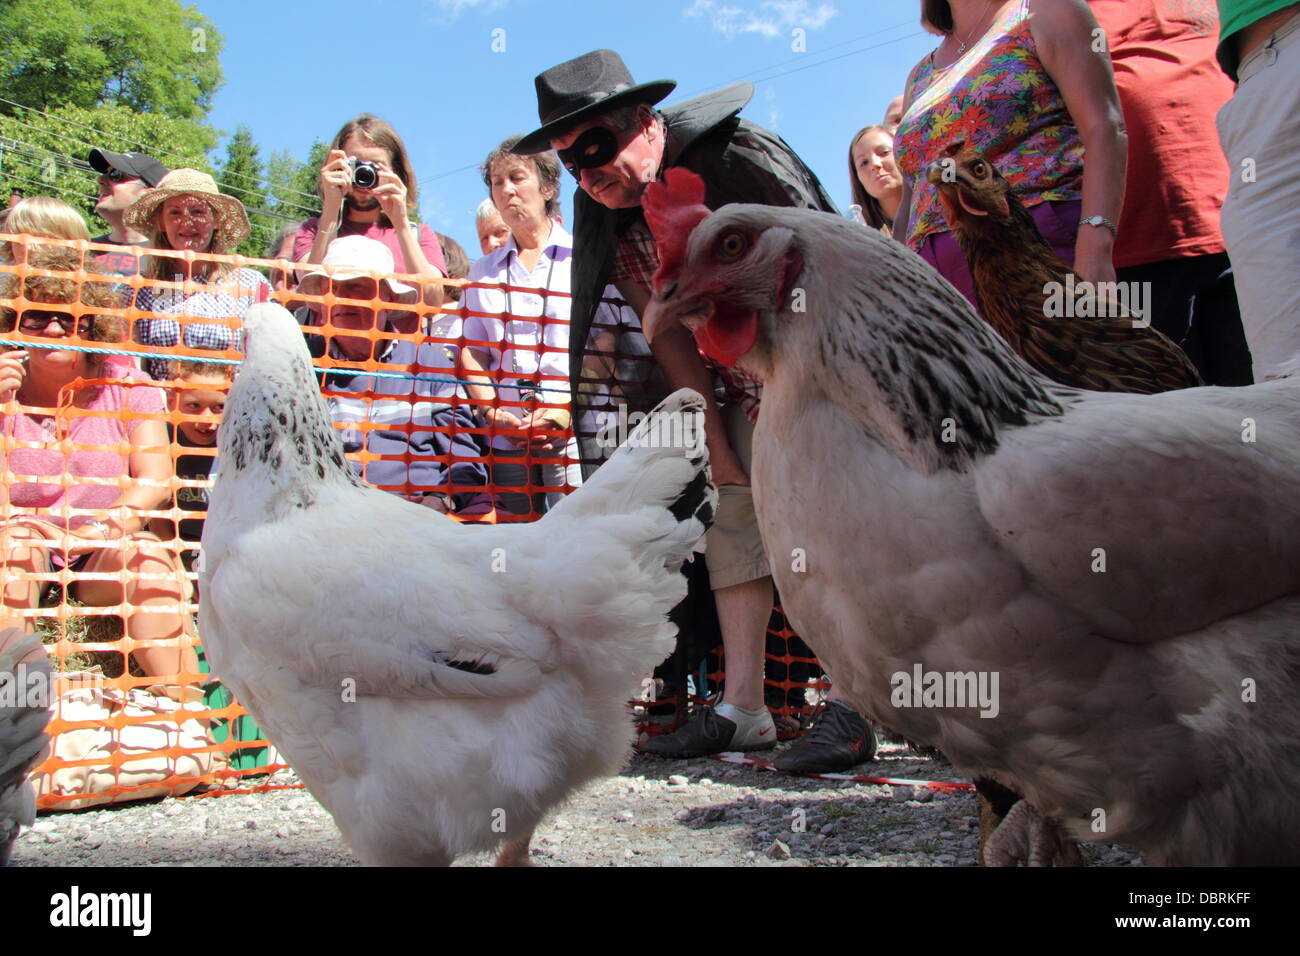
(469,667)
(691,498)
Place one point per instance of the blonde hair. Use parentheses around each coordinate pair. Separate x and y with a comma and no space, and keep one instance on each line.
(59,290)
(42,216)
(186,368)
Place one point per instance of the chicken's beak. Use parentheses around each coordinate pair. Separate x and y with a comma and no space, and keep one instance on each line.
(674,305)
(667,308)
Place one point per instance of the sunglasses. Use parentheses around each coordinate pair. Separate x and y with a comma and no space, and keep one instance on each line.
(38,320)
(117,176)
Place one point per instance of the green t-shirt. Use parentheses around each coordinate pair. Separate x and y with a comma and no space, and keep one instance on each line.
(1235,16)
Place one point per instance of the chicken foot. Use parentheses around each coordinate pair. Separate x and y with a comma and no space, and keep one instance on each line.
(515,853)
(1026,837)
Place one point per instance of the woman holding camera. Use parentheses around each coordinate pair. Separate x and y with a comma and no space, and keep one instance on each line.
(368,188)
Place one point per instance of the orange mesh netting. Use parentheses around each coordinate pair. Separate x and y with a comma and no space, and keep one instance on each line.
(105,484)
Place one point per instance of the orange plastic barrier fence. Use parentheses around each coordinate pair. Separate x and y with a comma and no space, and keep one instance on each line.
(105,483)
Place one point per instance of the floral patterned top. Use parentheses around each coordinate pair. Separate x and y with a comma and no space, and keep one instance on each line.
(998,97)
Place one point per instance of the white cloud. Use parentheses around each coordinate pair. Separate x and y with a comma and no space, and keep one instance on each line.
(769,18)
(773,108)
(453,8)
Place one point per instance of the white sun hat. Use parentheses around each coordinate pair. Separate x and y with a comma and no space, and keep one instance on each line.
(356,257)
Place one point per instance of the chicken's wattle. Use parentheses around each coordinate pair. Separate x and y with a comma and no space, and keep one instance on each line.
(729,333)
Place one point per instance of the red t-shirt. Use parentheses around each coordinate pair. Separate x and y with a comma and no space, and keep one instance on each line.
(302,242)
(1170,87)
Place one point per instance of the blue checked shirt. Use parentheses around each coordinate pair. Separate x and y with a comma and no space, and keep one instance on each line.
(228,300)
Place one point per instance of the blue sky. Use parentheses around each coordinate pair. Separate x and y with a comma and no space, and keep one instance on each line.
(296,71)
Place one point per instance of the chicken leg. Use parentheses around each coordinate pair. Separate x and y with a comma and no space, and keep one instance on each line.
(1026,837)
(515,853)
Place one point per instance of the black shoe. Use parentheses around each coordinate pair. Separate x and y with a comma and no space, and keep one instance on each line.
(840,740)
(711,733)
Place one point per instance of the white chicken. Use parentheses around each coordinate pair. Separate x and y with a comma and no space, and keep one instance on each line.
(438,687)
(24,713)
(1128,566)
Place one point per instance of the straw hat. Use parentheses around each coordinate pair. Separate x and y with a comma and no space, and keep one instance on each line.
(355,257)
(232,220)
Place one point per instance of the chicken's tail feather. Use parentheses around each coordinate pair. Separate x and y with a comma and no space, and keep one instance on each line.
(664,463)
(610,557)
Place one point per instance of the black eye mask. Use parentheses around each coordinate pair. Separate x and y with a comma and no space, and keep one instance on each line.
(596,147)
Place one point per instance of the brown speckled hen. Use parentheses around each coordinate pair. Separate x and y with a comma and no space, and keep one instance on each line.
(1012,264)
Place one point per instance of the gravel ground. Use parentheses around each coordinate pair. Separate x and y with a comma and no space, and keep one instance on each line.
(701,812)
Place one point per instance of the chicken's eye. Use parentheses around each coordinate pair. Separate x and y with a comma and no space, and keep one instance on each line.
(979,168)
(731,245)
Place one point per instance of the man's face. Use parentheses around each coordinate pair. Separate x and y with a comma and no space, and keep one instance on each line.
(345,315)
(492,234)
(116,196)
(620,182)
(359,148)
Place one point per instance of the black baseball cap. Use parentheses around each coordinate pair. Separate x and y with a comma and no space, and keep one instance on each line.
(134,164)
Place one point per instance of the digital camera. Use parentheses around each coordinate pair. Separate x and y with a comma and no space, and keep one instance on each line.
(365,174)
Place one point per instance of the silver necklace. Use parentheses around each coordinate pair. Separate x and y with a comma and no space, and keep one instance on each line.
(962,44)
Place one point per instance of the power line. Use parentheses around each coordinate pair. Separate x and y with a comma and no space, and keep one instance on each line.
(776,66)
(803,58)
(127,140)
(265,231)
(62,161)
(865,49)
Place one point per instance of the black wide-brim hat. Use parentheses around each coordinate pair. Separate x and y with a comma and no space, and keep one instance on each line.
(584,87)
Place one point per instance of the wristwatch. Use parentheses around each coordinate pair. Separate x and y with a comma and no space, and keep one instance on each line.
(1100,221)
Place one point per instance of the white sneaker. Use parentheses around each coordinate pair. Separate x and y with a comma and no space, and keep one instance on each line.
(754,728)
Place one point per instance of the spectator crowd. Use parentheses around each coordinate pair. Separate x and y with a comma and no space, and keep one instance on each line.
(1159,156)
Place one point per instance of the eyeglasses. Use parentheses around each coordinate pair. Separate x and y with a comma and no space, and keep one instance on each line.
(38,320)
(117,176)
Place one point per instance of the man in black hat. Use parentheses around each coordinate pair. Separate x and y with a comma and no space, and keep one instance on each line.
(606,132)
(123,177)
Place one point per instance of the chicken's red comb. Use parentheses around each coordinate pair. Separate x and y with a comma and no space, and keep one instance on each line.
(673,209)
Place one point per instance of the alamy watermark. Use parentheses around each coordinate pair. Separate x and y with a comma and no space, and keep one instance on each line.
(956,689)
(75,908)
(1081,299)
(654,430)
(26,687)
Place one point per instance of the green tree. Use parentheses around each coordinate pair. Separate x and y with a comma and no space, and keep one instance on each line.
(45,153)
(241,177)
(147,55)
(291,185)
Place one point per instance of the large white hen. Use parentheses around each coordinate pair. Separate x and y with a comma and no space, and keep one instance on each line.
(1128,566)
(438,687)
(25,690)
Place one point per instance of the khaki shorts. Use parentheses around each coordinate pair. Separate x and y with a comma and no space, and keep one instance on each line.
(733,550)
(1261,216)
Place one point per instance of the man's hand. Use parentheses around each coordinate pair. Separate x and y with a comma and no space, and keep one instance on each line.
(391,193)
(506,424)
(544,434)
(725,468)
